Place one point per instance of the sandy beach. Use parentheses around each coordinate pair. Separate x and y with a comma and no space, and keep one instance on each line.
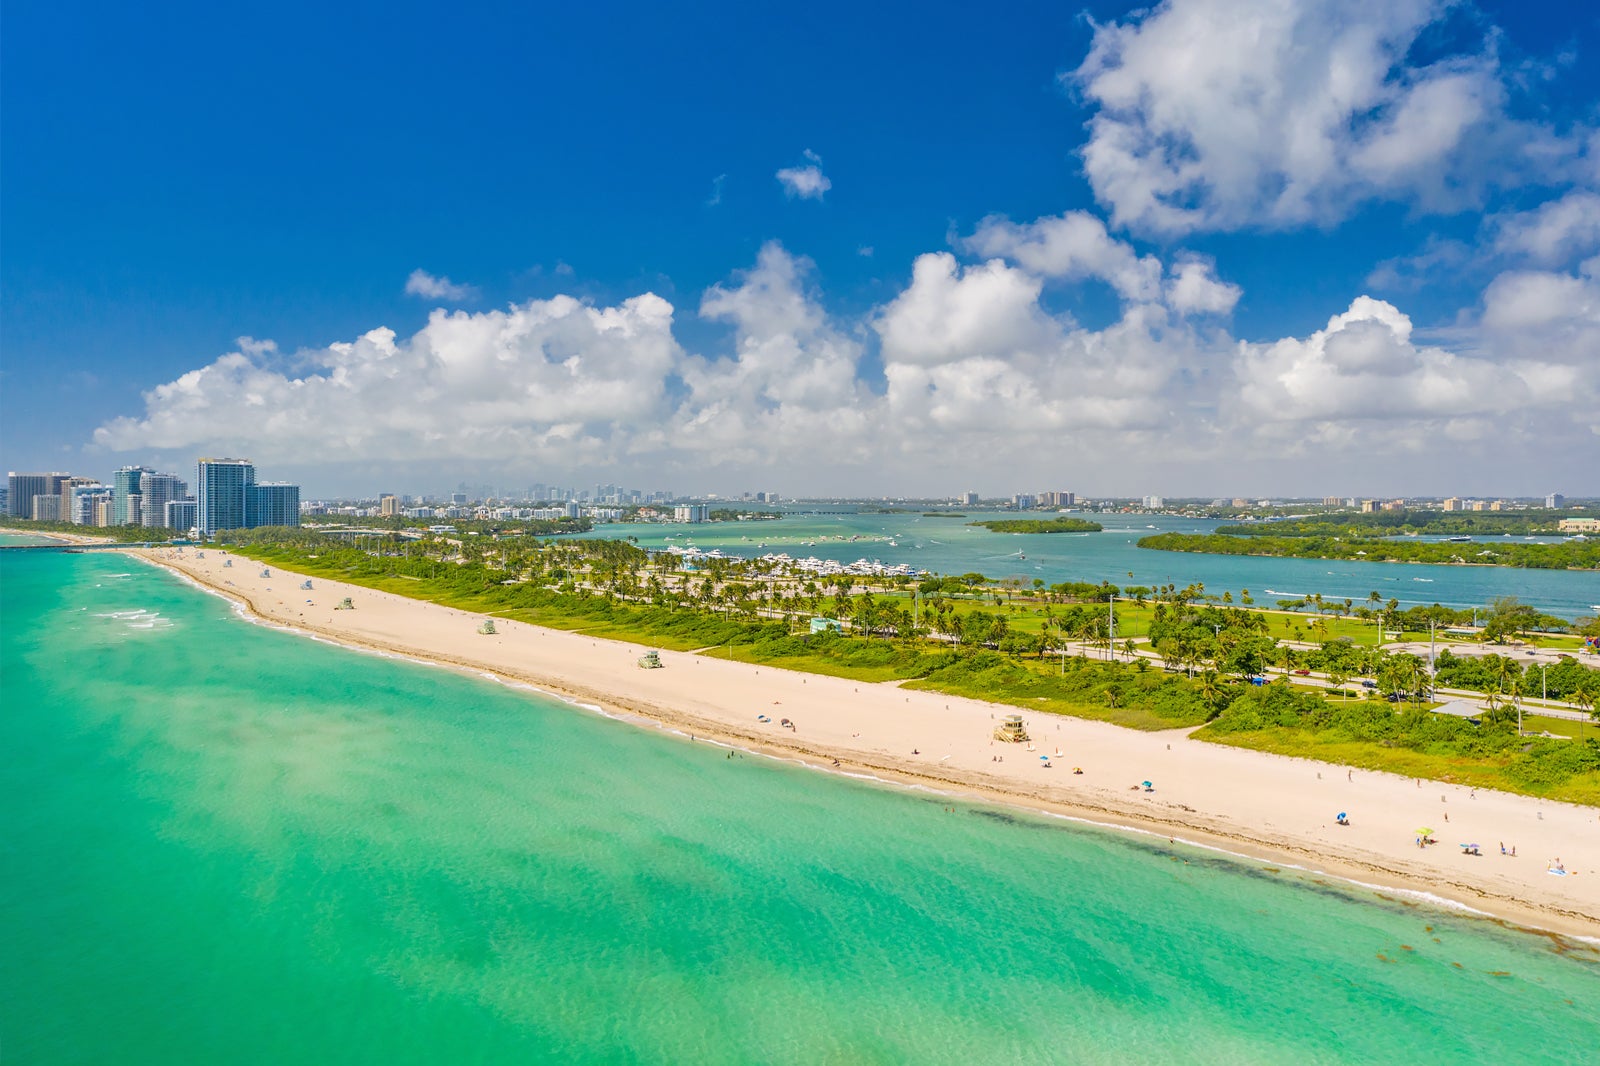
(1273,808)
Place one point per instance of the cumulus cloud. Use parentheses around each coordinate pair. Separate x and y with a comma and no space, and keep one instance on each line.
(978,377)
(425,285)
(806,182)
(1071,246)
(1366,374)
(1194,288)
(971,355)
(546,378)
(1554,233)
(1076,246)
(1216,114)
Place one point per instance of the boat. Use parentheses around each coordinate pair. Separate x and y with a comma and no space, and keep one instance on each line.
(1458,540)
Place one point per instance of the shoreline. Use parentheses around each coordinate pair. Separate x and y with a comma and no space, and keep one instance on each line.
(1348,559)
(584,671)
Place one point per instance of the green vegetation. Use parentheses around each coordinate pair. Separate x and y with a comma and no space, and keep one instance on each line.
(1567,555)
(1039,525)
(124,534)
(1415,743)
(728,514)
(943,514)
(967,636)
(1402,523)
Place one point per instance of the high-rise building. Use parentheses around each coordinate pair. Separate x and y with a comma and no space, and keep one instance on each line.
(969,499)
(272,504)
(86,498)
(157,491)
(221,488)
(388,504)
(1154,503)
(227,497)
(1555,501)
(47,508)
(128,482)
(22,488)
(180,515)
(693,512)
(1454,503)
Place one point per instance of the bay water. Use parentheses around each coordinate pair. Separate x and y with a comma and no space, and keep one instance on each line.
(952,546)
(229,843)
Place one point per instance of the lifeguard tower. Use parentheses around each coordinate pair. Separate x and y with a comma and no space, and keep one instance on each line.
(345,605)
(266,573)
(650,660)
(487,629)
(1011,730)
(306,584)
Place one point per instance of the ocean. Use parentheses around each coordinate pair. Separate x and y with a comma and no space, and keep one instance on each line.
(229,843)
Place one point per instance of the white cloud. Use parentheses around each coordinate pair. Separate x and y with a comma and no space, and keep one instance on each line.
(423,284)
(805,182)
(549,377)
(979,379)
(1221,114)
(1075,246)
(716,190)
(1366,377)
(1554,233)
(1071,246)
(973,362)
(1193,288)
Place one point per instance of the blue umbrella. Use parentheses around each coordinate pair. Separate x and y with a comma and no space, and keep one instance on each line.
(1148,785)
(1342,816)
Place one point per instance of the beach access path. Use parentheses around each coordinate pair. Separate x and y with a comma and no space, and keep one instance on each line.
(1269,807)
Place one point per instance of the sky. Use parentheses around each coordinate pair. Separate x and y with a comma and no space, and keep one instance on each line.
(1205,247)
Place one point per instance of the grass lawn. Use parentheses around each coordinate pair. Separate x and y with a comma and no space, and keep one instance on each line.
(1478,772)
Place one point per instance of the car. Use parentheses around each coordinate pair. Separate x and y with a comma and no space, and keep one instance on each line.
(1303,672)
(1393,697)
(1369,684)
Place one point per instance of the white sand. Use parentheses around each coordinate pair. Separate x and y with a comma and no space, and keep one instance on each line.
(1271,807)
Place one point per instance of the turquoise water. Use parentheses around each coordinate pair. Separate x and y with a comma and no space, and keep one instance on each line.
(225,843)
(951,546)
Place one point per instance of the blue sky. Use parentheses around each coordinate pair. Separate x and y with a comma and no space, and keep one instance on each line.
(1205,247)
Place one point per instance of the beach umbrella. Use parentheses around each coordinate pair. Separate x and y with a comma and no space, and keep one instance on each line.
(1044,758)
(1424,832)
(1148,785)
(1342,816)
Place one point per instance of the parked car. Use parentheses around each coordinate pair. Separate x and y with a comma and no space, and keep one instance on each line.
(1303,672)
(1369,684)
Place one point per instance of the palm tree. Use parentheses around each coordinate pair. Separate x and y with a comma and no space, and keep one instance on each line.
(1338,676)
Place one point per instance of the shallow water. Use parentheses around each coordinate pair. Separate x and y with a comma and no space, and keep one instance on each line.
(229,843)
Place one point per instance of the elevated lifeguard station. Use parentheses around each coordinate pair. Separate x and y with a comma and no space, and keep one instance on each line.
(487,629)
(650,660)
(1011,730)
(345,605)
(306,583)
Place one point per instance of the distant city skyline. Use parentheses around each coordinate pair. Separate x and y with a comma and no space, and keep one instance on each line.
(1204,247)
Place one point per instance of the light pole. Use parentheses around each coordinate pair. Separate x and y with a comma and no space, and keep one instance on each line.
(1111,626)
